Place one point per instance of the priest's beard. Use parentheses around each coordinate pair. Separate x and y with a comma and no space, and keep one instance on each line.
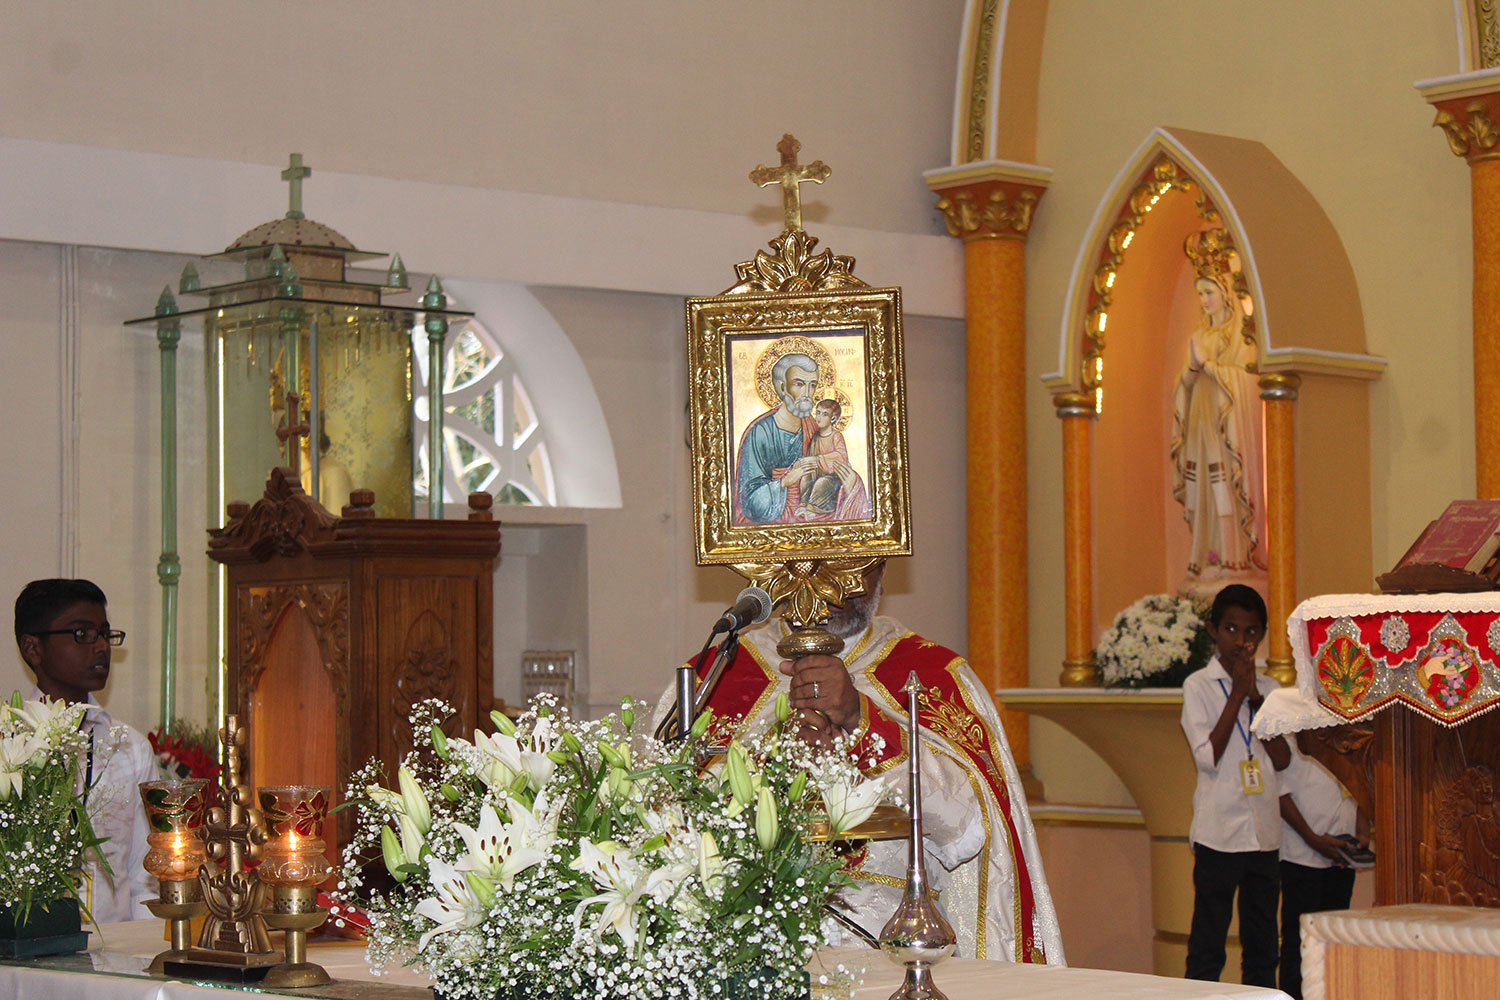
(798,407)
(853,616)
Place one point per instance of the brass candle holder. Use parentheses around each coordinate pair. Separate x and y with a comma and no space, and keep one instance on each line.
(234,944)
(174,815)
(294,867)
(917,936)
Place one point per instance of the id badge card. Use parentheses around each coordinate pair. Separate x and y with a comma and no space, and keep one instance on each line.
(1250,776)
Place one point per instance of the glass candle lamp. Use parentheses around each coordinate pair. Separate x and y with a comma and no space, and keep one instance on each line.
(175,853)
(294,854)
(294,867)
(174,816)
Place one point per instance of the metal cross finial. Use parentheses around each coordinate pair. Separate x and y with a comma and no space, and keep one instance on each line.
(293,176)
(791,175)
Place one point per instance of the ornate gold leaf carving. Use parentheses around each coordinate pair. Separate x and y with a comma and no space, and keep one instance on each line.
(979,82)
(1000,215)
(1472,135)
(795,268)
(1165,176)
(808,586)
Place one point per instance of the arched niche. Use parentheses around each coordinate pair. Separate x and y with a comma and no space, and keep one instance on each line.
(1130,308)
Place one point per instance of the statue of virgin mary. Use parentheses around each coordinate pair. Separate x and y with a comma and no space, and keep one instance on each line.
(1216,437)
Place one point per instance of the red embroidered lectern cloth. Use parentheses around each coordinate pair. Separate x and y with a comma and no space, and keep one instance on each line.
(1437,653)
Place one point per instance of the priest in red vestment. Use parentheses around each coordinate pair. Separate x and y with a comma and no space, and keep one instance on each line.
(981,847)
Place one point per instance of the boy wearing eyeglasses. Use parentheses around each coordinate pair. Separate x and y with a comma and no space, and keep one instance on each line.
(63,632)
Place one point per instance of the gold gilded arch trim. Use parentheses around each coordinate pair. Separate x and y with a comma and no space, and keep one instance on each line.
(999,65)
(1236,180)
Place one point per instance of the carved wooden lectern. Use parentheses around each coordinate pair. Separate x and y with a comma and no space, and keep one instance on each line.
(339,625)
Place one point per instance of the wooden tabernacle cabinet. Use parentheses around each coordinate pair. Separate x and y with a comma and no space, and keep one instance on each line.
(337,626)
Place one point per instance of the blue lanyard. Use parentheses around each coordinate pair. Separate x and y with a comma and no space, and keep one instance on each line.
(1249,752)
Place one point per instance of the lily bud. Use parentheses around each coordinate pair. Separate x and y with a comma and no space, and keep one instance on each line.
(413,802)
(502,723)
(610,754)
(627,715)
(738,772)
(439,742)
(798,784)
(767,825)
(783,707)
(710,864)
(390,850)
(571,742)
(701,724)
(412,843)
(449,792)
(484,889)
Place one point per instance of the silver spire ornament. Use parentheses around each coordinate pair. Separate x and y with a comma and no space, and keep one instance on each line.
(917,936)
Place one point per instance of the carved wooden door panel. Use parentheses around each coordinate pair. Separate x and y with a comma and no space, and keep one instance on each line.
(1438,822)
(425,646)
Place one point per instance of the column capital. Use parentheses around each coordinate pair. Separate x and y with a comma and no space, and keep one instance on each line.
(1280,385)
(1073,404)
(1468,110)
(990,199)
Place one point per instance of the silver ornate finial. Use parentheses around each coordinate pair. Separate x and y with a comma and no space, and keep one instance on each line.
(917,936)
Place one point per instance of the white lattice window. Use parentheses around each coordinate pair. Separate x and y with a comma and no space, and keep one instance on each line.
(492,436)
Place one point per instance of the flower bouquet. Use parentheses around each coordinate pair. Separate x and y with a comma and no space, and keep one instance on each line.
(45,832)
(561,858)
(189,751)
(1156,642)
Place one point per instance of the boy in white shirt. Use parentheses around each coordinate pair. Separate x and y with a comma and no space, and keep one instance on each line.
(1315,811)
(1236,829)
(63,633)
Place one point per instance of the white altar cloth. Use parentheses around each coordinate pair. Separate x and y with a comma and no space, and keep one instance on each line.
(127,948)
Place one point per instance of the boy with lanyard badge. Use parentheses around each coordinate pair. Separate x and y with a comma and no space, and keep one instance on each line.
(1236,830)
(63,633)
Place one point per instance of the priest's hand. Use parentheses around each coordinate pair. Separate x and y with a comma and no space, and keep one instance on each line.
(821,684)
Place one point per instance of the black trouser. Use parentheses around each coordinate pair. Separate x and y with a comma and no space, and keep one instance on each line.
(1216,877)
(1307,890)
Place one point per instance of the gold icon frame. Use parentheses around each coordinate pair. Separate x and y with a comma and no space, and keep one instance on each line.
(730,338)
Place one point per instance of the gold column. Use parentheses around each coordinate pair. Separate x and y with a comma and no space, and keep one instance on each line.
(1468,107)
(989,206)
(1279,391)
(1076,410)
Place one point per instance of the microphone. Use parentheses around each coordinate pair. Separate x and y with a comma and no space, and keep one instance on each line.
(752,607)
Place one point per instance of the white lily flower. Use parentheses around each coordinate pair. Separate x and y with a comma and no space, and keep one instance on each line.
(615,870)
(534,760)
(497,851)
(15,753)
(850,805)
(455,907)
(540,821)
(500,756)
(48,719)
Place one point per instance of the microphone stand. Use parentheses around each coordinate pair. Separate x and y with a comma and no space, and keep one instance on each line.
(691,696)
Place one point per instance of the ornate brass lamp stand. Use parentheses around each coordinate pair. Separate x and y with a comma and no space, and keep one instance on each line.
(234,944)
(174,813)
(294,867)
(917,935)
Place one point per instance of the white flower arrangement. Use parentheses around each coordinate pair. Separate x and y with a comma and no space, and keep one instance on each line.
(45,831)
(1156,642)
(560,858)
